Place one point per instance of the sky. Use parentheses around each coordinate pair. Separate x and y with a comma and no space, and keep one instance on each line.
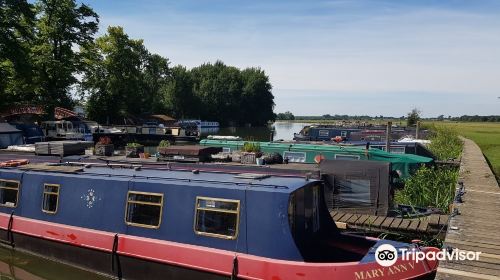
(356,57)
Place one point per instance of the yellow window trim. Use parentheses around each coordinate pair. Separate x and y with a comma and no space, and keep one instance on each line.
(237,212)
(145,203)
(9,188)
(51,193)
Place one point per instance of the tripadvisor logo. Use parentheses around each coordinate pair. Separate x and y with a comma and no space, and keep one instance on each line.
(386,255)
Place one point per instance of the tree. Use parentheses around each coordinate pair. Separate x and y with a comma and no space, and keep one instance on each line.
(413,117)
(62,27)
(285,116)
(257,100)
(218,87)
(155,75)
(16,34)
(113,80)
(178,94)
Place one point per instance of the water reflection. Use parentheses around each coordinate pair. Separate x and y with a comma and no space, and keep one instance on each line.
(278,130)
(15,265)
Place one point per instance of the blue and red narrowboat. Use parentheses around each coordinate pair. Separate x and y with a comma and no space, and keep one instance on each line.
(156,224)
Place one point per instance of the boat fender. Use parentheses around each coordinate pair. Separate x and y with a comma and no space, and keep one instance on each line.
(114,256)
(234,273)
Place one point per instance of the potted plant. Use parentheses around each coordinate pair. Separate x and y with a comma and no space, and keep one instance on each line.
(251,152)
(132,150)
(104,147)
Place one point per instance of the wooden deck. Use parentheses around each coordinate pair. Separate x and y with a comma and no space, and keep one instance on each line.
(431,225)
(477,228)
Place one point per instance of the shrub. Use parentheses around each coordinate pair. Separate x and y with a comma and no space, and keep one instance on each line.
(429,187)
(251,147)
(133,145)
(445,143)
(164,143)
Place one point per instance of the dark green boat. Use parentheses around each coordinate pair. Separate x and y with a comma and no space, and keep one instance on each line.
(404,164)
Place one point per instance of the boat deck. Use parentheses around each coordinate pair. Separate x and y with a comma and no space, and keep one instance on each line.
(477,227)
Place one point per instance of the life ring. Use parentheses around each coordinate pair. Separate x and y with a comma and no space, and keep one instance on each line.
(14,163)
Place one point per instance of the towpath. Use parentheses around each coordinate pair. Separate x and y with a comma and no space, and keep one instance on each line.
(477,228)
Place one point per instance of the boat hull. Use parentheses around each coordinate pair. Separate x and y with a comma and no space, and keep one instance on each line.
(131,257)
(101,262)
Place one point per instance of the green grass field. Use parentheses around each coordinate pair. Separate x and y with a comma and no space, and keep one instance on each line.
(486,135)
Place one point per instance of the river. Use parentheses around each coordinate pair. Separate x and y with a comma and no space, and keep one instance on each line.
(16,265)
(281,130)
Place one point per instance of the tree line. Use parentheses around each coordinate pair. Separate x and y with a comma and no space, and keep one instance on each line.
(50,56)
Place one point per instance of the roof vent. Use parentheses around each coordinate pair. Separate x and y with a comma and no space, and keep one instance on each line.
(252,176)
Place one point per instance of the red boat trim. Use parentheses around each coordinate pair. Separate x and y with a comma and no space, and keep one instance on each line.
(204,258)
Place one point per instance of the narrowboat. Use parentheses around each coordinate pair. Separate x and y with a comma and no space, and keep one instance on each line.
(323,133)
(354,133)
(403,164)
(158,224)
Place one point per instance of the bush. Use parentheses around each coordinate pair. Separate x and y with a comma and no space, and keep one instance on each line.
(429,187)
(445,143)
(164,143)
(251,147)
(133,145)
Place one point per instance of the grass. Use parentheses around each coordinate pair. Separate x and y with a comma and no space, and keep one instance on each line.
(429,187)
(486,135)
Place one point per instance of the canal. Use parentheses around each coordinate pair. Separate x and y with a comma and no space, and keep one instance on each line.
(16,265)
(280,130)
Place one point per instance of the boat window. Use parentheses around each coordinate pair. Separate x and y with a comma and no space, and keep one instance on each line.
(343,133)
(217,217)
(9,193)
(50,198)
(294,156)
(144,209)
(397,150)
(346,157)
(323,133)
(226,150)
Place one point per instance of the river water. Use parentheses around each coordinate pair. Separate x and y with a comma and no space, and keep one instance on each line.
(280,130)
(16,265)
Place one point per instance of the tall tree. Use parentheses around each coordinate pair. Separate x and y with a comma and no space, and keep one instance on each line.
(16,33)
(113,80)
(218,88)
(178,94)
(155,75)
(257,100)
(62,27)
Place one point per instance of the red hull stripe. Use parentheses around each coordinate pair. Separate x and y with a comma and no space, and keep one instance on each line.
(209,259)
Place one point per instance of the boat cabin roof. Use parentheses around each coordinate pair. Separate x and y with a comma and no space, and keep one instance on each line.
(255,182)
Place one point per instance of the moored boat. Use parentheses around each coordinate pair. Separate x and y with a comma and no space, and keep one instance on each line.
(139,223)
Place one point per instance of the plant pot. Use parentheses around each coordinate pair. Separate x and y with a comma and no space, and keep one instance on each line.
(133,152)
(104,150)
(248,158)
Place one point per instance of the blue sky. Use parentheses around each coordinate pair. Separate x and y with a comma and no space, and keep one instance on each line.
(335,57)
